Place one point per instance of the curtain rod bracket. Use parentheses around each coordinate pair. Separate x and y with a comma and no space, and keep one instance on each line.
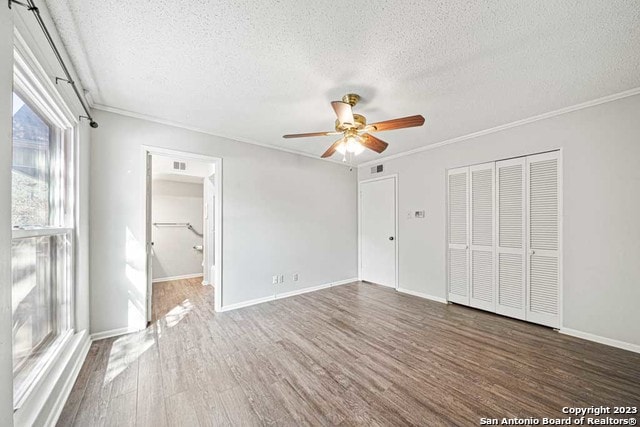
(64,80)
(19,3)
(92,122)
(25,5)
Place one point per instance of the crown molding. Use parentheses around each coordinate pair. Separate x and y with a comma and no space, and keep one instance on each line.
(592,103)
(159,120)
(587,104)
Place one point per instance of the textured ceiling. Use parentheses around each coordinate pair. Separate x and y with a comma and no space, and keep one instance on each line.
(254,70)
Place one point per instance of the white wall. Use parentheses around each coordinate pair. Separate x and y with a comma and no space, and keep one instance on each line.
(282,213)
(6,88)
(173,251)
(601,160)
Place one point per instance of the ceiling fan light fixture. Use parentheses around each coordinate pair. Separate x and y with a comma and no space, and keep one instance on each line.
(350,144)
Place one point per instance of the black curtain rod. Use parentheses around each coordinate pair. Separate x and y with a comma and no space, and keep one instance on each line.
(30,5)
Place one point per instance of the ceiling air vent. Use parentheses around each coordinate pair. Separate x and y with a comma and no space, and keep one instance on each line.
(377,169)
(180,166)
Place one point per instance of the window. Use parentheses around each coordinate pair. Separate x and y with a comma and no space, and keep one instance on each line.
(43,232)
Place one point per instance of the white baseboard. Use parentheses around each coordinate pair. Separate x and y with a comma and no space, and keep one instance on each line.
(64,394)
(421,295)
(314,288)
(247,303)
(286,294)
(184,276)
(114,333)
(602,340)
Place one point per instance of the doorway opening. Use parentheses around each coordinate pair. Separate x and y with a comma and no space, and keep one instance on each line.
(183,224)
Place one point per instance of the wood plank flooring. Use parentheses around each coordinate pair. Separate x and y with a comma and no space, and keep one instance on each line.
(357,354)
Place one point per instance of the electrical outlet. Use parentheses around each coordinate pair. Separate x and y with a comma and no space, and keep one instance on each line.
(295,277)
(282,278)
(274,280)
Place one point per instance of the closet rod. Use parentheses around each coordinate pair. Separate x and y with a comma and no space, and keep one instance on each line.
(177,224)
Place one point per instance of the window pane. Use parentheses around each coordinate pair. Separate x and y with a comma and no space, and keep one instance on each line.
(31,295)
(31,167)
(39,267)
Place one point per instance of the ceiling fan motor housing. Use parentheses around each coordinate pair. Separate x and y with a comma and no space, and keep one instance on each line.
(351,99)
(360,122)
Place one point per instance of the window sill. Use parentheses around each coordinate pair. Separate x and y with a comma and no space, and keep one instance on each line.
(45,397)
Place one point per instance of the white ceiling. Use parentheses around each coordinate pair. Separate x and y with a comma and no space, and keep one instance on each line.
(253,70)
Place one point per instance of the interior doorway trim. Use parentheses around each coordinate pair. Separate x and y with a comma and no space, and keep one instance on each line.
(395,192)
(147,151)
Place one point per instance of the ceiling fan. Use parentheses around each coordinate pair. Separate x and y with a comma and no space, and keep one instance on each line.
(356,133)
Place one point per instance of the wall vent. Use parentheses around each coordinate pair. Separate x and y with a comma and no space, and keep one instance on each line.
(377,169)
(179,166)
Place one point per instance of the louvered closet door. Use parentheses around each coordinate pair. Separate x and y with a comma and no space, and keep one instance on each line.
(458,229)
(481,236)
(543,213)
(510,238)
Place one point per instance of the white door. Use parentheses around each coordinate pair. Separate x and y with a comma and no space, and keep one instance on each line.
(543,214)
(510,238)
(481,234)
(149,235)
(378,231)
(458,234)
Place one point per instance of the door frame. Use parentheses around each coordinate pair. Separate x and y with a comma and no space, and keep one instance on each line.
(209,226)
(146,151)
(396,237)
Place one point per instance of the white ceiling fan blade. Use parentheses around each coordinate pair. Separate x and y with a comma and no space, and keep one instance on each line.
(343,111)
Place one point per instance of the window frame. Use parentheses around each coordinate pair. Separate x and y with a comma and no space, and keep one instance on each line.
(33,85)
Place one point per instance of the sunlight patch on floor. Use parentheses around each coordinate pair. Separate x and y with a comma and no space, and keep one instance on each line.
(178,313)
(126,350)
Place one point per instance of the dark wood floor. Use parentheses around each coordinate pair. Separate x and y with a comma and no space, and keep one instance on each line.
(353,354)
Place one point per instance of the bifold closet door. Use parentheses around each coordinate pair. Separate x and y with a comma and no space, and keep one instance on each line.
(458,229)
(543,213)
(510,238)
(482,184)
